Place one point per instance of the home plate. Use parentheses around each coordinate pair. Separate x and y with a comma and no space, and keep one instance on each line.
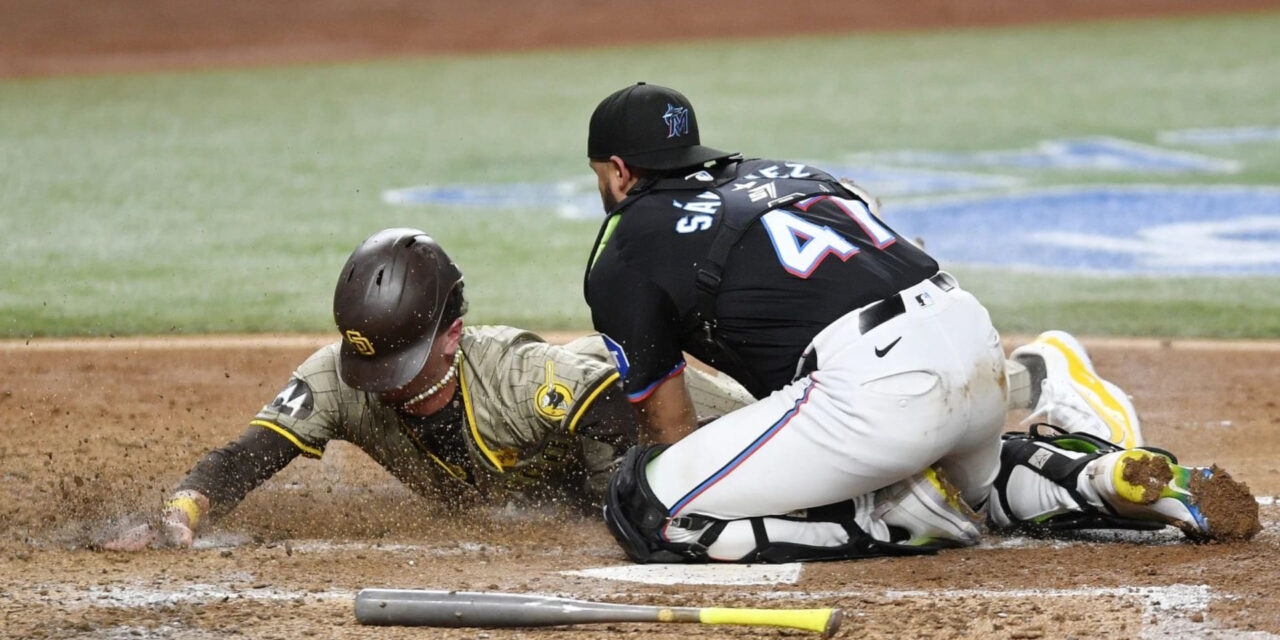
(728,574)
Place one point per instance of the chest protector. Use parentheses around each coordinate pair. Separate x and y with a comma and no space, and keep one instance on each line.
(746,191)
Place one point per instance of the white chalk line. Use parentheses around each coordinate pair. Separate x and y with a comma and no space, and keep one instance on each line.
(1178,597)
(130,596)
(232,540)
(1166,609)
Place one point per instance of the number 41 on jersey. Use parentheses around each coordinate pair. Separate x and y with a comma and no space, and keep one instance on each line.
(802,245)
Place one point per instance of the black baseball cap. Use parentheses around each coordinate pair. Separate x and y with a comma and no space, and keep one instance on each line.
(649,127)
(388,303)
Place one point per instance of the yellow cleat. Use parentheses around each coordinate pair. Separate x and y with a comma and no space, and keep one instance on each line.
(1066,391)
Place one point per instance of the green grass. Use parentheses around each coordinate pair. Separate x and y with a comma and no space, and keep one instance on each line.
(1028,303)
(227,201)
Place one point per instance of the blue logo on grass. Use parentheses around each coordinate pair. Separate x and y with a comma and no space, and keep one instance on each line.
(1220,136)
(1150,230)
(1099,153)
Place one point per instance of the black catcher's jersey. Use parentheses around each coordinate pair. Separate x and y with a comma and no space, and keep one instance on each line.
(796,269)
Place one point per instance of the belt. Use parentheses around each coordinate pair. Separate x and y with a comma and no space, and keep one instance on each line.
(878,313)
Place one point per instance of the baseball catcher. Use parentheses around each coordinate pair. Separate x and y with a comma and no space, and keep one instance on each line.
(452,412)
(881,385)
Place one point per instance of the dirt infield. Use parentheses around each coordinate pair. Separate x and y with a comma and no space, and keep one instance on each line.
(92,433)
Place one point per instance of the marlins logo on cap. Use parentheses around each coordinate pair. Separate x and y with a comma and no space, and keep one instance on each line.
(677,119)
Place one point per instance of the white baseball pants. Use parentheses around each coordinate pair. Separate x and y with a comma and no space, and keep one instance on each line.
(923,387)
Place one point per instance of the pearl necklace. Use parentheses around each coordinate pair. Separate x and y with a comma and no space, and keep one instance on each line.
(435,388)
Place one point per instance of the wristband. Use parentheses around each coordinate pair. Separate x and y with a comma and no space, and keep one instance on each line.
(188,506)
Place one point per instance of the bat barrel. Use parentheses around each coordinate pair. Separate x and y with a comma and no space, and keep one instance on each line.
(413,607)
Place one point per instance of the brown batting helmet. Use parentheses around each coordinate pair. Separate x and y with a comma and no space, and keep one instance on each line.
(388,303)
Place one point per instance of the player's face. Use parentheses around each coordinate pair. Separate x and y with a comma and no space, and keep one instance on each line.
(604,170)
(434,370)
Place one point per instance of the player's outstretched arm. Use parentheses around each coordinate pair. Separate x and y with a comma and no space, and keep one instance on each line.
(668,413)
(605,431)
(218,482)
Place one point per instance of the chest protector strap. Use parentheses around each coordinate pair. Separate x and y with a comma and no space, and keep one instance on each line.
(746,191)
(758,187)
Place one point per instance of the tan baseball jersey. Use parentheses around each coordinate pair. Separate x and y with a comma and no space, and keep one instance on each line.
(521,404)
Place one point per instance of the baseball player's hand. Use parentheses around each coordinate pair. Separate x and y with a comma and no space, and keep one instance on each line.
(176,527)
(169,532)
(176,530)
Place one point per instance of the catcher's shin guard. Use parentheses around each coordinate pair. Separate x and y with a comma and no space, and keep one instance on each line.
(1051,480)
(638,521)
(636,517)
(1038,488)
(919,515)
(832,532)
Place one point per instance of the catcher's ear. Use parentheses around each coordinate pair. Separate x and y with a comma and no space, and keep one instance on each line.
(623,176)
(620,169)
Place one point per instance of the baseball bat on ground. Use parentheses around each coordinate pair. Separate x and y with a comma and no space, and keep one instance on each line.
(411,607)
